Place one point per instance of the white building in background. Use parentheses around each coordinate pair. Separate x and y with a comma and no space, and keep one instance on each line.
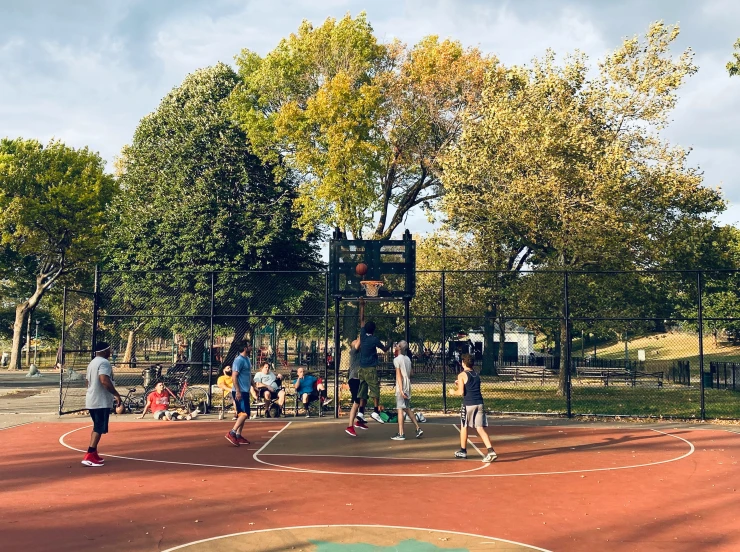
(514,333)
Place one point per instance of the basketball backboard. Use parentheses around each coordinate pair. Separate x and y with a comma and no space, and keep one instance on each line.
(392,262)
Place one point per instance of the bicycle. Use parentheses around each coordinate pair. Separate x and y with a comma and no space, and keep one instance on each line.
(186,397)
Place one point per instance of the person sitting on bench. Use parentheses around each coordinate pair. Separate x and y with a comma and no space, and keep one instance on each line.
(308,388)
(266,384)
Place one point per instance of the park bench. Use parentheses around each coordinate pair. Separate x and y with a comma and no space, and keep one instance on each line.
(527,373)
(609,375)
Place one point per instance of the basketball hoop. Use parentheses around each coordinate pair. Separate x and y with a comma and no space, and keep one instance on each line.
(371,287)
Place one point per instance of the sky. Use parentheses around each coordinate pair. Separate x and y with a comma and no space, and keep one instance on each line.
(86,71)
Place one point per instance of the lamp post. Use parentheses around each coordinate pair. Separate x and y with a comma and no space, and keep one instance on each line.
(36,347)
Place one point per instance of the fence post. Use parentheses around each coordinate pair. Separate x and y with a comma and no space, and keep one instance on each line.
(94,333)
(406,319)
(336,357)
(444,346)
(699,284)
(62,344)
(566,313)
(326,346)
(210,339)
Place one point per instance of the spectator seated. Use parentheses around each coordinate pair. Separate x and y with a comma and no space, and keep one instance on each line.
(268,391)
(308,389)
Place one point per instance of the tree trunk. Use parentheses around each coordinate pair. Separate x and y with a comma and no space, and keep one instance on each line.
(28,337)
(242,331)
(130,348)
(563,346)
(22,314)
(43,281)
(21,311)
(489,327)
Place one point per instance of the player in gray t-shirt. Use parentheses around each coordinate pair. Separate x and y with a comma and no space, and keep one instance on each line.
(266,383)
(402,363)
(100,397)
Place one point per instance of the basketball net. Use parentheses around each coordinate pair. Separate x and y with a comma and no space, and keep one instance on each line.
(371,287)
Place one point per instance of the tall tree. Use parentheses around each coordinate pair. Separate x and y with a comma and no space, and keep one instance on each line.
(576,164)
(362,123)
(195,198)
(53,203)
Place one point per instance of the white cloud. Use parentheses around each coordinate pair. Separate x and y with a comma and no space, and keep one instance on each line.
(88,76)
(494,28)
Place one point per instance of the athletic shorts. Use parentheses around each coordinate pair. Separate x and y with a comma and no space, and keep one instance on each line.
(402,403)
(243,404)
(473,416)
(369,383)
(354,387)
(100,419)
(263,390)
(312,396)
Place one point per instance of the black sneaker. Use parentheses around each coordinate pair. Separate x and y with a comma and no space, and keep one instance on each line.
(461,454)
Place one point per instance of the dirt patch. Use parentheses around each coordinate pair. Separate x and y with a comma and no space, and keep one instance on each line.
(21,394)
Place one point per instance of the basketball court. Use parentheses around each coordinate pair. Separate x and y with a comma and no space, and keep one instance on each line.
(306,485)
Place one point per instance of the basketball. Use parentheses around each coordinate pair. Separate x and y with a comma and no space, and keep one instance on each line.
(361,269)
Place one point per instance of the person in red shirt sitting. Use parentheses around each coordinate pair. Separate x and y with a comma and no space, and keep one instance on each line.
(158,401)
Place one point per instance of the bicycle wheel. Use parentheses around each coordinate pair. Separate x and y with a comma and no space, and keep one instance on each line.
(196,399)
(135,403)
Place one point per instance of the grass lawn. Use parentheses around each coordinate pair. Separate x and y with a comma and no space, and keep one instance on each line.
(617,400)
(669,346)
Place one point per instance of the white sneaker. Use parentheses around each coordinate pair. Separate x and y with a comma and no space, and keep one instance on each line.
(361,416)
(375,416)
(490,457)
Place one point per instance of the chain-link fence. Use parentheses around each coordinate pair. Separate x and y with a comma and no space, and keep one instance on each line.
(75,348)
(664,344)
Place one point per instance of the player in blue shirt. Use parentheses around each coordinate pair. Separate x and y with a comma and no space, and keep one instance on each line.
(241,369)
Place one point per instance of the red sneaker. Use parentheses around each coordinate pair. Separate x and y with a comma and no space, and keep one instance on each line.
(231,439)
(241,440)
(98,458)
(360,424)
(350,431)
(89,460)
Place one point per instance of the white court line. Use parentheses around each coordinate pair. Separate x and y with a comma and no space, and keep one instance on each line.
(447,475)
(61,442)
(491,540)
(308,470)
(359,456)
(459,430)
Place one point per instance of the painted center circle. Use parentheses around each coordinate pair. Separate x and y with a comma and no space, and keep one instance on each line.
(353,538)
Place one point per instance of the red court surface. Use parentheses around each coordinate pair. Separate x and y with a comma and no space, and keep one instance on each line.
(557,486)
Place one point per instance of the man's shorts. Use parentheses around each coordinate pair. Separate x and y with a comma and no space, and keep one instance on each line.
(243,404)
(263,390)
(100,419)
(402,403)
(159,414)
(312,396)
(369,383)
(473,416)
(354,387)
